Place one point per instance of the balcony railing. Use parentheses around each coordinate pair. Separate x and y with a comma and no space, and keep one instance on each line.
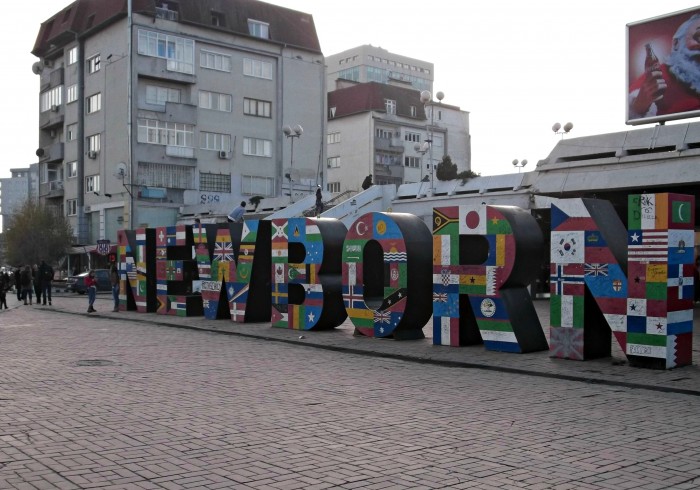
(179,151)
(167,14)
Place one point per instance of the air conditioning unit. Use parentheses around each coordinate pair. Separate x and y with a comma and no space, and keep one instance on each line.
(223,154)
(92,154)
(87,209)
(54,108)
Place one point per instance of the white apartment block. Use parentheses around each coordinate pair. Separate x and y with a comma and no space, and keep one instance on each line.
(147,108)
(374,128)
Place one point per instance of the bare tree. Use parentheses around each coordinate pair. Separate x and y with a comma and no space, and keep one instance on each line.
(36,233)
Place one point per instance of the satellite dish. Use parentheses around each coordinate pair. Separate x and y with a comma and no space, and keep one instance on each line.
(291,174)
(121,170)
(37,68)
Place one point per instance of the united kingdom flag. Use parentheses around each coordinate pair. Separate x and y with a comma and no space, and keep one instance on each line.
(223,251)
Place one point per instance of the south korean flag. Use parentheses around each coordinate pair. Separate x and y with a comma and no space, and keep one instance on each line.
(567,247)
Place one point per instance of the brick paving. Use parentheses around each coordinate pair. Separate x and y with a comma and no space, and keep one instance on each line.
(121,401)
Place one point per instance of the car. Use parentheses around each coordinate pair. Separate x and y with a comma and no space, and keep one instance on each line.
(77,283)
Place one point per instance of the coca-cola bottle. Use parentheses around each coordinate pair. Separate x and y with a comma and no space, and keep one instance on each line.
(651,62)
(652,67)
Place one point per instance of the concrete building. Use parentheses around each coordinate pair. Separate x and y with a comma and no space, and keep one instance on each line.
(151,108)
(22,185)
(373,64)
(374,128)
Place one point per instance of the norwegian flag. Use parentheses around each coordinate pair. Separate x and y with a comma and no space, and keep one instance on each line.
(223,251)
(353,299)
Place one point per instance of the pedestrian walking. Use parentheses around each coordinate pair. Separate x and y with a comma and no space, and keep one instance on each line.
(36,281)
(319,201)
(27,284)
(91,285)
(4,288)
(114,280)
(46,277)
(18,282)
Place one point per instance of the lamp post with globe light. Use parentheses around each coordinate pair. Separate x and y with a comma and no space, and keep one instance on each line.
(292,133)
(427,99)
(566,128)
(520,164)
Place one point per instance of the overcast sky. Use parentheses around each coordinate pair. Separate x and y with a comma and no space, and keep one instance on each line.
(517,67)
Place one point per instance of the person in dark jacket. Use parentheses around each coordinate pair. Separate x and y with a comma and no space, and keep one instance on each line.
(46,278)
(36,280)
(18,282)
(4,288)
(27,284)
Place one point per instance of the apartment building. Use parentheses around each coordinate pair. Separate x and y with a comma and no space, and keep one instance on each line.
(369,63)
(21,186)
(148,107)
(390,132)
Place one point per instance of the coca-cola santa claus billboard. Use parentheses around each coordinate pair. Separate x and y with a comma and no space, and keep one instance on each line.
(663,68)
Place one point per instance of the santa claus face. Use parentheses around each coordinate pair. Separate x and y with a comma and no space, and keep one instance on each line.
(692,38)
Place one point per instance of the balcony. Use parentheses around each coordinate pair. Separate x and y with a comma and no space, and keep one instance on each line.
(389,144)
(179,151)
(51,153)
(51,118)
(152,67)
(52,189)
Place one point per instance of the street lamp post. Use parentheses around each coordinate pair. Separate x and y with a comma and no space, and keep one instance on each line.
(422,150)
(520,164)
(427,99)
(565,129)
(292,133)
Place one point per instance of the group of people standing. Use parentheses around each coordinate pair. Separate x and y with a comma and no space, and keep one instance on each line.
(34,281)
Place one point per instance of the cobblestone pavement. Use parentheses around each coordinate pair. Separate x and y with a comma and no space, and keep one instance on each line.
(119,400)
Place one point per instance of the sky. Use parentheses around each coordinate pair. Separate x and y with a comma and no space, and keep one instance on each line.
(517,67)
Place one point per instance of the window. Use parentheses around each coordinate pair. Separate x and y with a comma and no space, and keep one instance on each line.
(214,182)
(214,61)
(254,107)
(72,94)
(159,95)
(71,132)
(409,136)
(218,19)
(165,133)
(332,138)
(215,101)
(386,158)
(437,141)
(252,185)
(92,183)
(71,207)
(72,169)
(214,141)
(333,162)
(384,134)
(93,142)
(257,68)
(413,162)
(414,112)
(73,55)
(259,29)
(257,147)
(390,106)
(333,186)
(350,74)
(93,64)
(177,50)
(93,103)
(51,99)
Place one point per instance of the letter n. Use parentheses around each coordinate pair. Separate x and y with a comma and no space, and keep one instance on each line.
(641,279)
(483,259)
(305,273)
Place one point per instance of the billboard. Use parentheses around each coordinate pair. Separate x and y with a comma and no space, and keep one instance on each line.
(663,68)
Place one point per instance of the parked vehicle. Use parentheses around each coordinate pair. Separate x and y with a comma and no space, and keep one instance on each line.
(77,283)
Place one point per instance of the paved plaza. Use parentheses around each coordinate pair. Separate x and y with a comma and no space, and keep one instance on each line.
(125,400)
